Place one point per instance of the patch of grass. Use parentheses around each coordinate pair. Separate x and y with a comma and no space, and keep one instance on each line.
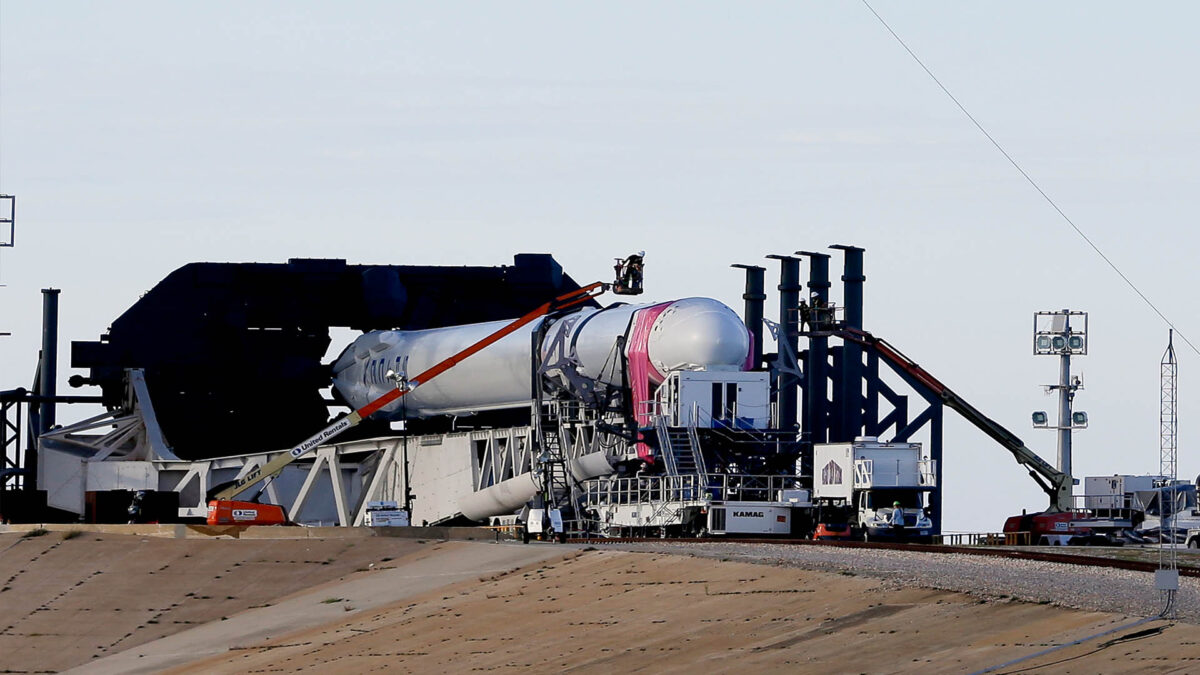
(35,533)
(72,534)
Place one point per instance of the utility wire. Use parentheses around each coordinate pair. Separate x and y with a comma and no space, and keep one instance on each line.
(1030,179)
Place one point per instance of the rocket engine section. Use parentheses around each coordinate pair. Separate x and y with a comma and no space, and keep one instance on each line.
(583,351)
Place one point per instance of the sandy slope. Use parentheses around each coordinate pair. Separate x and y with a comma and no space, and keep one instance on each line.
(146,604)
(613,611)
(65,602)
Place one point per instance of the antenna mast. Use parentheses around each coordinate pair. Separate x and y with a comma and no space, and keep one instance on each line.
(1168,416)
(1166,579)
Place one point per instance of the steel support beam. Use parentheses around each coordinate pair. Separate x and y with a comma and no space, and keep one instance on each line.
(755,297)
(816,367)
(789,320)
(848,412)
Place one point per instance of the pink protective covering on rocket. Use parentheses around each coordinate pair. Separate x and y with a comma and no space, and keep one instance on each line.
(640,369)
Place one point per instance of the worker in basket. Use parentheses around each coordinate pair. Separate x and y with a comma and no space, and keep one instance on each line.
(896,520)
(629,274)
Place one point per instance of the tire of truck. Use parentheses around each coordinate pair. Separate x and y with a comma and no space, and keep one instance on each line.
(1194,543)
(866,536)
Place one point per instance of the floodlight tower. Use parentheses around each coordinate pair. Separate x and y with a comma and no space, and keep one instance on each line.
(8,225)
(8,220)
(1062,334)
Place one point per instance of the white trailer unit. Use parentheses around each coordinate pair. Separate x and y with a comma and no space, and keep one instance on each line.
(1114,492)
(871,477)
(750,518)
(716,398)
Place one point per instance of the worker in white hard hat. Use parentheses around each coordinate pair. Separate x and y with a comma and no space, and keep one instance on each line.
(629,274)
(819,312)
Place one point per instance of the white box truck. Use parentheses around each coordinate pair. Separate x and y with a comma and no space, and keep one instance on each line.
(885,485)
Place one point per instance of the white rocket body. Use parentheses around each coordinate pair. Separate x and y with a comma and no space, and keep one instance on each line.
(687,334)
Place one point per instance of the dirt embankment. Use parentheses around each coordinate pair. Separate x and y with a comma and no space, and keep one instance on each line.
(611,611)
(65,601)
(410,606)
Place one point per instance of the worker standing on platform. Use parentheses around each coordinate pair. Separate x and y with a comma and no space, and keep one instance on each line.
(818,312)
(629,274)
(805,316)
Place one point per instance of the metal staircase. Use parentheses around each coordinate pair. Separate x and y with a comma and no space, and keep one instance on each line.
(680,450)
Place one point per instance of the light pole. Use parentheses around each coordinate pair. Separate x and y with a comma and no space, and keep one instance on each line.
(1062,334)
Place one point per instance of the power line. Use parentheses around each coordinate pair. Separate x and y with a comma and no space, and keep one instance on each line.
(1028,178)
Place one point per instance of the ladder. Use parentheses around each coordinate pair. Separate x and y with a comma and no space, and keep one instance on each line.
(556,486)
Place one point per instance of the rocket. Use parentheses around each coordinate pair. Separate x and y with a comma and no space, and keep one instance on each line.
(585,349)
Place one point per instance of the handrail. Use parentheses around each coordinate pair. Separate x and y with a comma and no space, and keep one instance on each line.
(700,487)
(665,447)
(697,455)
(925,471)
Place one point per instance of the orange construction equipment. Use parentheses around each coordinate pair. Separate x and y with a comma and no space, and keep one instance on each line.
(223,512)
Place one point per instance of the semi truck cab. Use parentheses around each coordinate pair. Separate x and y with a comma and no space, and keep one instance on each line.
(878,519)
(871,476)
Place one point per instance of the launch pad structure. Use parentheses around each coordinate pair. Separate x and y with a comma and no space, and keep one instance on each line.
(706,445)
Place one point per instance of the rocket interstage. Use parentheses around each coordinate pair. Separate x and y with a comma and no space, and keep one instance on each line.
(687,334)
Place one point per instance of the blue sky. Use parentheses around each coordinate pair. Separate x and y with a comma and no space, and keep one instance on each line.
(140,136)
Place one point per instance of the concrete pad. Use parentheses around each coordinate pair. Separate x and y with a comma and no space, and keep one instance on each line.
(140,530)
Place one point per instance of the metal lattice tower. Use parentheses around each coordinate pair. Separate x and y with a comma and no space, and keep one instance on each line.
(1167,578)
(1168,415)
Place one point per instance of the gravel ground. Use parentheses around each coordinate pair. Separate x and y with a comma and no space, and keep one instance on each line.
(1088,588)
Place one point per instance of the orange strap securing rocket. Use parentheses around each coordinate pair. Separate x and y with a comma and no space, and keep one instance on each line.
(561,302)
(569,299)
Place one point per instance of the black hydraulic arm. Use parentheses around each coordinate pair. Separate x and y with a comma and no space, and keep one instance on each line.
(1055,483)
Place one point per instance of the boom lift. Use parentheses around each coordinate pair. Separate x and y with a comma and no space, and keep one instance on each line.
(1055,483)
(223,510)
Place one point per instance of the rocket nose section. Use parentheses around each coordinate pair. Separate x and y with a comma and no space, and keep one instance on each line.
(696,333)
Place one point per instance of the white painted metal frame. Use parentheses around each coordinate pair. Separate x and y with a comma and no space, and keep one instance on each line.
(131,436)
